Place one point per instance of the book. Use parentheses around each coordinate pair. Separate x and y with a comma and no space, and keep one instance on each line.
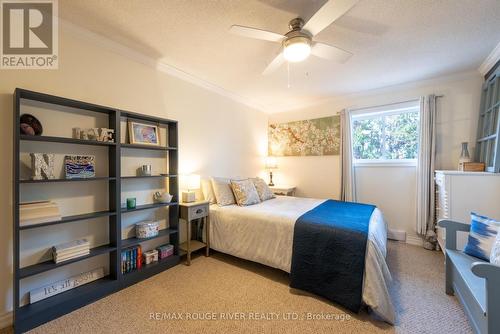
(139,257)
(39,220)
(124,261)
(69,257)
(71,245)
(38,212)
(131,259)
(36,204)
(71,251)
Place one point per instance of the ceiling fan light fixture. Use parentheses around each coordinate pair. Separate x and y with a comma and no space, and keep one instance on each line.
(296,49)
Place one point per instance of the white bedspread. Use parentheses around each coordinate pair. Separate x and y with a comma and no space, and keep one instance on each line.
(264,233)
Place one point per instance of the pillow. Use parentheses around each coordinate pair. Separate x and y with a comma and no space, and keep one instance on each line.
(262,189)
(245,192)
(495,251)
(208,191)
(483,231)
(222,191)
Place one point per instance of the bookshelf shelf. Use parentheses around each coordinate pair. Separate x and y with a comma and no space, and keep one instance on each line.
(148,176)
(135,241)
(149,206)
(148,147)
(49,265)
(151,269)
(78,297)
(29,316)
(65,140)
(98,178)
(69,219)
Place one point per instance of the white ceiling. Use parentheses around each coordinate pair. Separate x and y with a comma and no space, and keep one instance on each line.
(393,41)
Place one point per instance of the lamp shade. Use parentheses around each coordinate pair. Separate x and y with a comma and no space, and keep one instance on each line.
(191,181)
(271,163)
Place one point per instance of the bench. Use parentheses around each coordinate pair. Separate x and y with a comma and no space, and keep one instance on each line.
(475,282)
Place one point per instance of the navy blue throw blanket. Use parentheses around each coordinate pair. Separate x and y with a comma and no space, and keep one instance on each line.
(329,246)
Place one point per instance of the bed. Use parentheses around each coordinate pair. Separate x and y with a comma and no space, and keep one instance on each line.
(263,233)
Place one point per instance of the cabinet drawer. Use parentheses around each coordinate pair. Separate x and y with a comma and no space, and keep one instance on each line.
(196,212)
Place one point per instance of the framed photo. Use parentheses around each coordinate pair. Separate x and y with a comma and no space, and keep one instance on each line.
(143,134)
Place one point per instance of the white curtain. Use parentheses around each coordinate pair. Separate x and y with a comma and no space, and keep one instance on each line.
(348,180)
(425,169)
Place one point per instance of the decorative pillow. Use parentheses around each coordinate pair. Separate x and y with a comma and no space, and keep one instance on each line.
(245,192)
(483,231)
(495,251)
(262,189)
(222,190)
(208,191)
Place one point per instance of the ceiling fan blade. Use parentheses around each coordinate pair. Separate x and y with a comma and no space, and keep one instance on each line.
(275,64)
(330,52)
(256,33)
(327,14)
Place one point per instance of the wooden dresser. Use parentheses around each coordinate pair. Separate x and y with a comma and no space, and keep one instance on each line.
(459,193)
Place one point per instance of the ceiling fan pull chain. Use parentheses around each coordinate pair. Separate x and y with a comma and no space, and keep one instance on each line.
(288,73)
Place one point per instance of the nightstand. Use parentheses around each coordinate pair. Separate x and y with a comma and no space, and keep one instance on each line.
(190,212)
(283,190)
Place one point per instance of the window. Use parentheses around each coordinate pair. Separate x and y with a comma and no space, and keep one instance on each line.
(488,134)
(386,134)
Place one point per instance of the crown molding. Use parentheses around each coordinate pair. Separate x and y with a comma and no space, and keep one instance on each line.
(490,61)
(160,66)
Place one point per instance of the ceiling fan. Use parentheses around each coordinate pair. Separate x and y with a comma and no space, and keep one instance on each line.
(298,44)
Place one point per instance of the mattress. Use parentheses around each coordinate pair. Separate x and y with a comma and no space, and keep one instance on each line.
(263,233)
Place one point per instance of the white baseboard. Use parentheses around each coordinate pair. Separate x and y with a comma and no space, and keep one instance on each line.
(397,235)
(6,320)
(414,240)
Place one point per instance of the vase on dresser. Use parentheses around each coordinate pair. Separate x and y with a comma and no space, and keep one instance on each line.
(464,156)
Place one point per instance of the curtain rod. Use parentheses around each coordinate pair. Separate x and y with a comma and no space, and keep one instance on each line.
(440,95)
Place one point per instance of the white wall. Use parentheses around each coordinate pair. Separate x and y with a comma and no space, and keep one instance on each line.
(217,136)
(457,121)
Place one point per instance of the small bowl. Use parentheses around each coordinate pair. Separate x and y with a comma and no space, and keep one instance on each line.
(32,122)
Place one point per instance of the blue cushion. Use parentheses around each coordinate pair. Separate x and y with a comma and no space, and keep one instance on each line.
(483,231)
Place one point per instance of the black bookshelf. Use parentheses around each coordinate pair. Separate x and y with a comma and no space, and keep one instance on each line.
(29,316)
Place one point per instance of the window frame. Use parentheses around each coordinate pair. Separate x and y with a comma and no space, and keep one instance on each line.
(379,111)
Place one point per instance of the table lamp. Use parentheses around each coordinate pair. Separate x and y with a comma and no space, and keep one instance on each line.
(270,165)
(191,182)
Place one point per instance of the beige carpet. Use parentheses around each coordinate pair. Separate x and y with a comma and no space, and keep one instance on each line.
(225,285)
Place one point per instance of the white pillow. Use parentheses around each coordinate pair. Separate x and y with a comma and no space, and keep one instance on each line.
(222,190)
(208,191)
(245,193)
(263,189)
(495,250)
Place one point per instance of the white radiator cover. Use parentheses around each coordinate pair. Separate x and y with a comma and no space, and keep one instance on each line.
(459,193)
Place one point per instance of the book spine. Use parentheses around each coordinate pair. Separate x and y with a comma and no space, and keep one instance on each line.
(124,259)
(128,261)
(66,258)
(139,257)
(134,259)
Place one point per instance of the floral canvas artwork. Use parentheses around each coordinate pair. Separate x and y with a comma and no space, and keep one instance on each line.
(320,136)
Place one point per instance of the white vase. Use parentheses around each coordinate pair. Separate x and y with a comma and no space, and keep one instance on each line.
(464,156)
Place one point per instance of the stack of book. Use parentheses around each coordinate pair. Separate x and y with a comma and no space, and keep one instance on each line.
(32,213)
(131,259)
(70,250)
